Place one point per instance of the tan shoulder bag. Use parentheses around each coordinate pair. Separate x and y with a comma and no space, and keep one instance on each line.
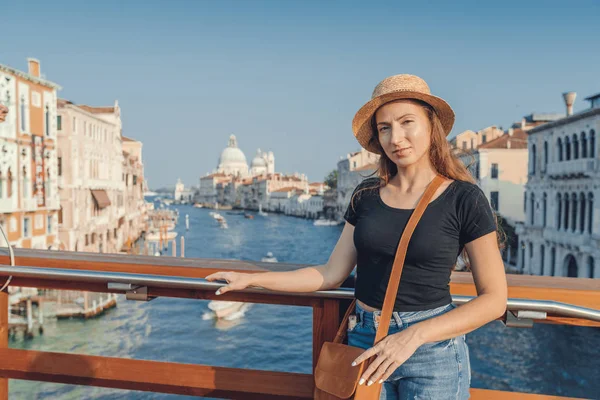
(335,377)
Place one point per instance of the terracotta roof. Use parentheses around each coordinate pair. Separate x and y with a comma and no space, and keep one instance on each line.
(61,103)
(126,139)
(371,166)
(285,189)
(316,184)
(215,175)
(98,110)
(518,140)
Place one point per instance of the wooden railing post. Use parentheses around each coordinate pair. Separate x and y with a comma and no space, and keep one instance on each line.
(326,320)
(4,338)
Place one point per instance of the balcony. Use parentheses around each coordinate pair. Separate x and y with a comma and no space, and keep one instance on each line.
(564,301)
(573,168)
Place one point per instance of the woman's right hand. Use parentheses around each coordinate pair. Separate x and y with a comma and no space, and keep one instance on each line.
(235,280)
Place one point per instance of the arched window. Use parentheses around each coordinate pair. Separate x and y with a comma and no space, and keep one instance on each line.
(591,267)
(544,201)
(590,214)
(553,261)
(532,209)
(533,160)
(567,149)
(575,147)
(23,116)
(592,144)
(574,212)
(545,155)
(566,202)
(559,147)
(582,208)
(559,210)
(584,151)
(47,118)
(542,259)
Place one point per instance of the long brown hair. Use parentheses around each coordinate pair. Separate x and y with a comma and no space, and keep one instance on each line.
(443,160)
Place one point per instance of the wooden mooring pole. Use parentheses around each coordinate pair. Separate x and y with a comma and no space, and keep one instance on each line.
(182,251)
(3,338)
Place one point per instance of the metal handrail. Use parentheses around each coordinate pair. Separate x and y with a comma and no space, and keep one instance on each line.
(543,306)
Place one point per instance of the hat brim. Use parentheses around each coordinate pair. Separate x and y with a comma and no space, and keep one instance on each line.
(361,124)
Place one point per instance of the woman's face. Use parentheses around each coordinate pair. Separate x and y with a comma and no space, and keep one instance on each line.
(404,132)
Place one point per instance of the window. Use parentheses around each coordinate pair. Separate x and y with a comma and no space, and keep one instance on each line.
(545,154)
(592,144)
(49,224)
(9,184)
(47,120)
(135,179)
(26,227)
(23,114)
(494,200)
(87,240)
(559,147)
(59,166)
(464,145)
(74,125)
(494,171)
(533,160)
(25,184)
(60,215)
(483,138)
(354,164)
(575,147)
(59,123)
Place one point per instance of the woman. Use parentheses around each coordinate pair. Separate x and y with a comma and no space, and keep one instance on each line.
(425,355)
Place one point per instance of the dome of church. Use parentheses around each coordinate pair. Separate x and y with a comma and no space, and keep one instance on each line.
(232,156)
(258,161)
(233,160)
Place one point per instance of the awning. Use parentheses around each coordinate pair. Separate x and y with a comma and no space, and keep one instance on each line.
(101,198)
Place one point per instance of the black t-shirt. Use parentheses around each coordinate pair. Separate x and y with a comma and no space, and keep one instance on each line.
(459,215)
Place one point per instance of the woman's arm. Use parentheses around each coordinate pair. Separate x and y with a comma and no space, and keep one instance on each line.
(310,279)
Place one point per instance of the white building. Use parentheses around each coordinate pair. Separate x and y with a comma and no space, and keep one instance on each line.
(92,191)
(353,169)
(561,234)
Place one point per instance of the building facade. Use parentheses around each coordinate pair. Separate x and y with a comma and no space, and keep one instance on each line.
(29,198)
(90,158)
(134,222)
(352,169)
(561,232)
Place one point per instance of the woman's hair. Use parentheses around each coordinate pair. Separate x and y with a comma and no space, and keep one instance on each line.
(441,157)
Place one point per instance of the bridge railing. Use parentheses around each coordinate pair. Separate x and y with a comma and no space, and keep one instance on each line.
(531,299)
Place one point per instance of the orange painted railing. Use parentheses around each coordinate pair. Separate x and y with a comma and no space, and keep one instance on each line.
(177,277)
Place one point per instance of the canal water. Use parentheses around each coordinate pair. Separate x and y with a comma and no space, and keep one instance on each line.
(554,360)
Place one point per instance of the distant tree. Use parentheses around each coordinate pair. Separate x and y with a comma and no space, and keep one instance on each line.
(331,179)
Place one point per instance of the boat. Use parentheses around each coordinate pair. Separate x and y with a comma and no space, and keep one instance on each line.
(227,310)
(248,216)
(197,205)
(261,212)
(269,258)
(325,222)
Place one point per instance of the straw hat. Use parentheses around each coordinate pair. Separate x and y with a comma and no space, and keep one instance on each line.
(395,88)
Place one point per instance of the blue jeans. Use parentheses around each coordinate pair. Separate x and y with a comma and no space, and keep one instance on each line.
(436,371)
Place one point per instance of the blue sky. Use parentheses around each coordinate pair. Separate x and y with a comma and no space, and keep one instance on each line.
(288,76)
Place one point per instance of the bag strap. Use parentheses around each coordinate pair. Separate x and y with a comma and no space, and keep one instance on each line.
(393,285)
(392,289)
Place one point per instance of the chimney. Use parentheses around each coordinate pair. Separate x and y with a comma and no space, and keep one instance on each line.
(34,67)
(569,100)
(510,131)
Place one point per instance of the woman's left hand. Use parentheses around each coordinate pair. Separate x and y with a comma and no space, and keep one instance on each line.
(391,353)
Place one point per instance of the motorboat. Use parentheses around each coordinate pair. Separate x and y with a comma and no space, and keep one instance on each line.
(227,310)
(197,205)
(248,216)
(269,258)
(325,222)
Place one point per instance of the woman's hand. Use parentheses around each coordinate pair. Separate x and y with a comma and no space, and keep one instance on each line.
(391,353)
(235,281)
